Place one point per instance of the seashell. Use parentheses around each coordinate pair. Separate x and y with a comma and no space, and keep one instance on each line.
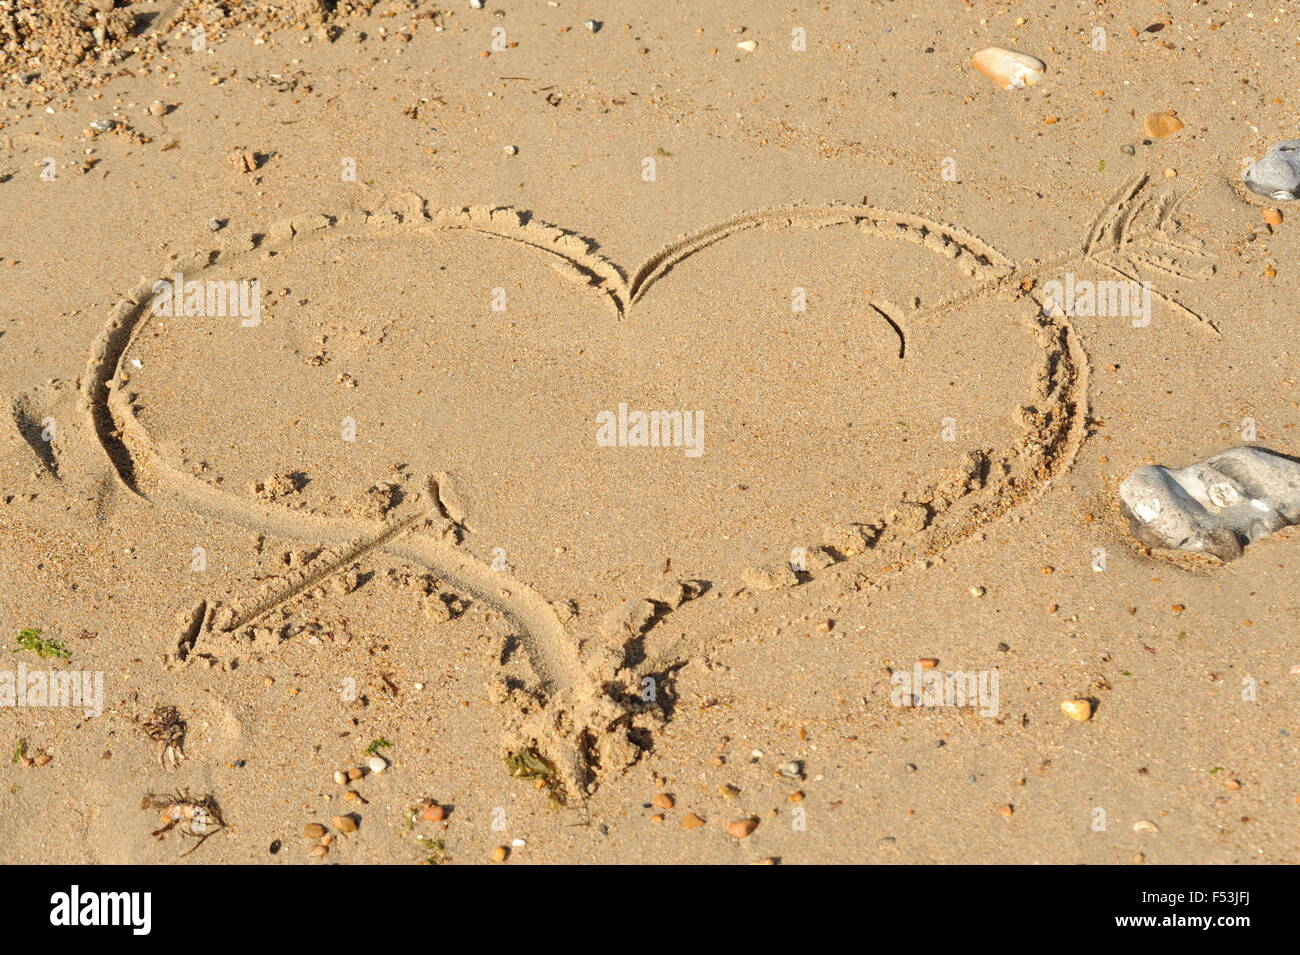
(1162,124)
(749,46)
(1215,506)
(1010,69)
(1277,174)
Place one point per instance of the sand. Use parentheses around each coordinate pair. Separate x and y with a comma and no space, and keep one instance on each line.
(397,503)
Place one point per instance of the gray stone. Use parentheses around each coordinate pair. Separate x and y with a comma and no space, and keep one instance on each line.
(1277,174)
(1215,506)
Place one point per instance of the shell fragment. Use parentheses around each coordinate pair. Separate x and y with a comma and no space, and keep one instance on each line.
(1010,69)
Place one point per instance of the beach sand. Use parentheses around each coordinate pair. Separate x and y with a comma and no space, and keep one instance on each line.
(399,508)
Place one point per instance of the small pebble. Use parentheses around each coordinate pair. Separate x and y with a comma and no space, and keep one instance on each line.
(663,801)
(1272,216)
(344,823)
(749,46)
(691,821)
(500,854)
(1078,710)
(510,150)
(593,26)
(741,827)
(376,764)
(313,830)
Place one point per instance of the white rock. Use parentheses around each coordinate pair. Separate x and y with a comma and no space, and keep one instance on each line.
(376,764)
(1215,506)
(749,46)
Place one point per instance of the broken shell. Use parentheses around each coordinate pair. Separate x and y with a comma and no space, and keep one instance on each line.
(1162,124)
(749,46)
(1145,825)
(1272,216)
(1078,710)
(1010,69)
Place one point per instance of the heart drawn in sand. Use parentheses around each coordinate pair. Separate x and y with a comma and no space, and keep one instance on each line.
(585,448)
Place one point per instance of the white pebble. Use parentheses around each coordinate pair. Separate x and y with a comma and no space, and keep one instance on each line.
(376,764)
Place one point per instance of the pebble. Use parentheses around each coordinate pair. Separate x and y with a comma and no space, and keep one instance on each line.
(1078,710)
(318,852)
(741,827)
(344,823)
(1272,216)
(341,777)
(216,225)
(313,830)
(1006,810)
(1010,69)
(663,801)
(376,764)
(790,769)
(691,821)
(434,813)
(1162,124)
(500,854)
(749,46)
(593,26)
(978,591)
(511,150)
(157,108)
